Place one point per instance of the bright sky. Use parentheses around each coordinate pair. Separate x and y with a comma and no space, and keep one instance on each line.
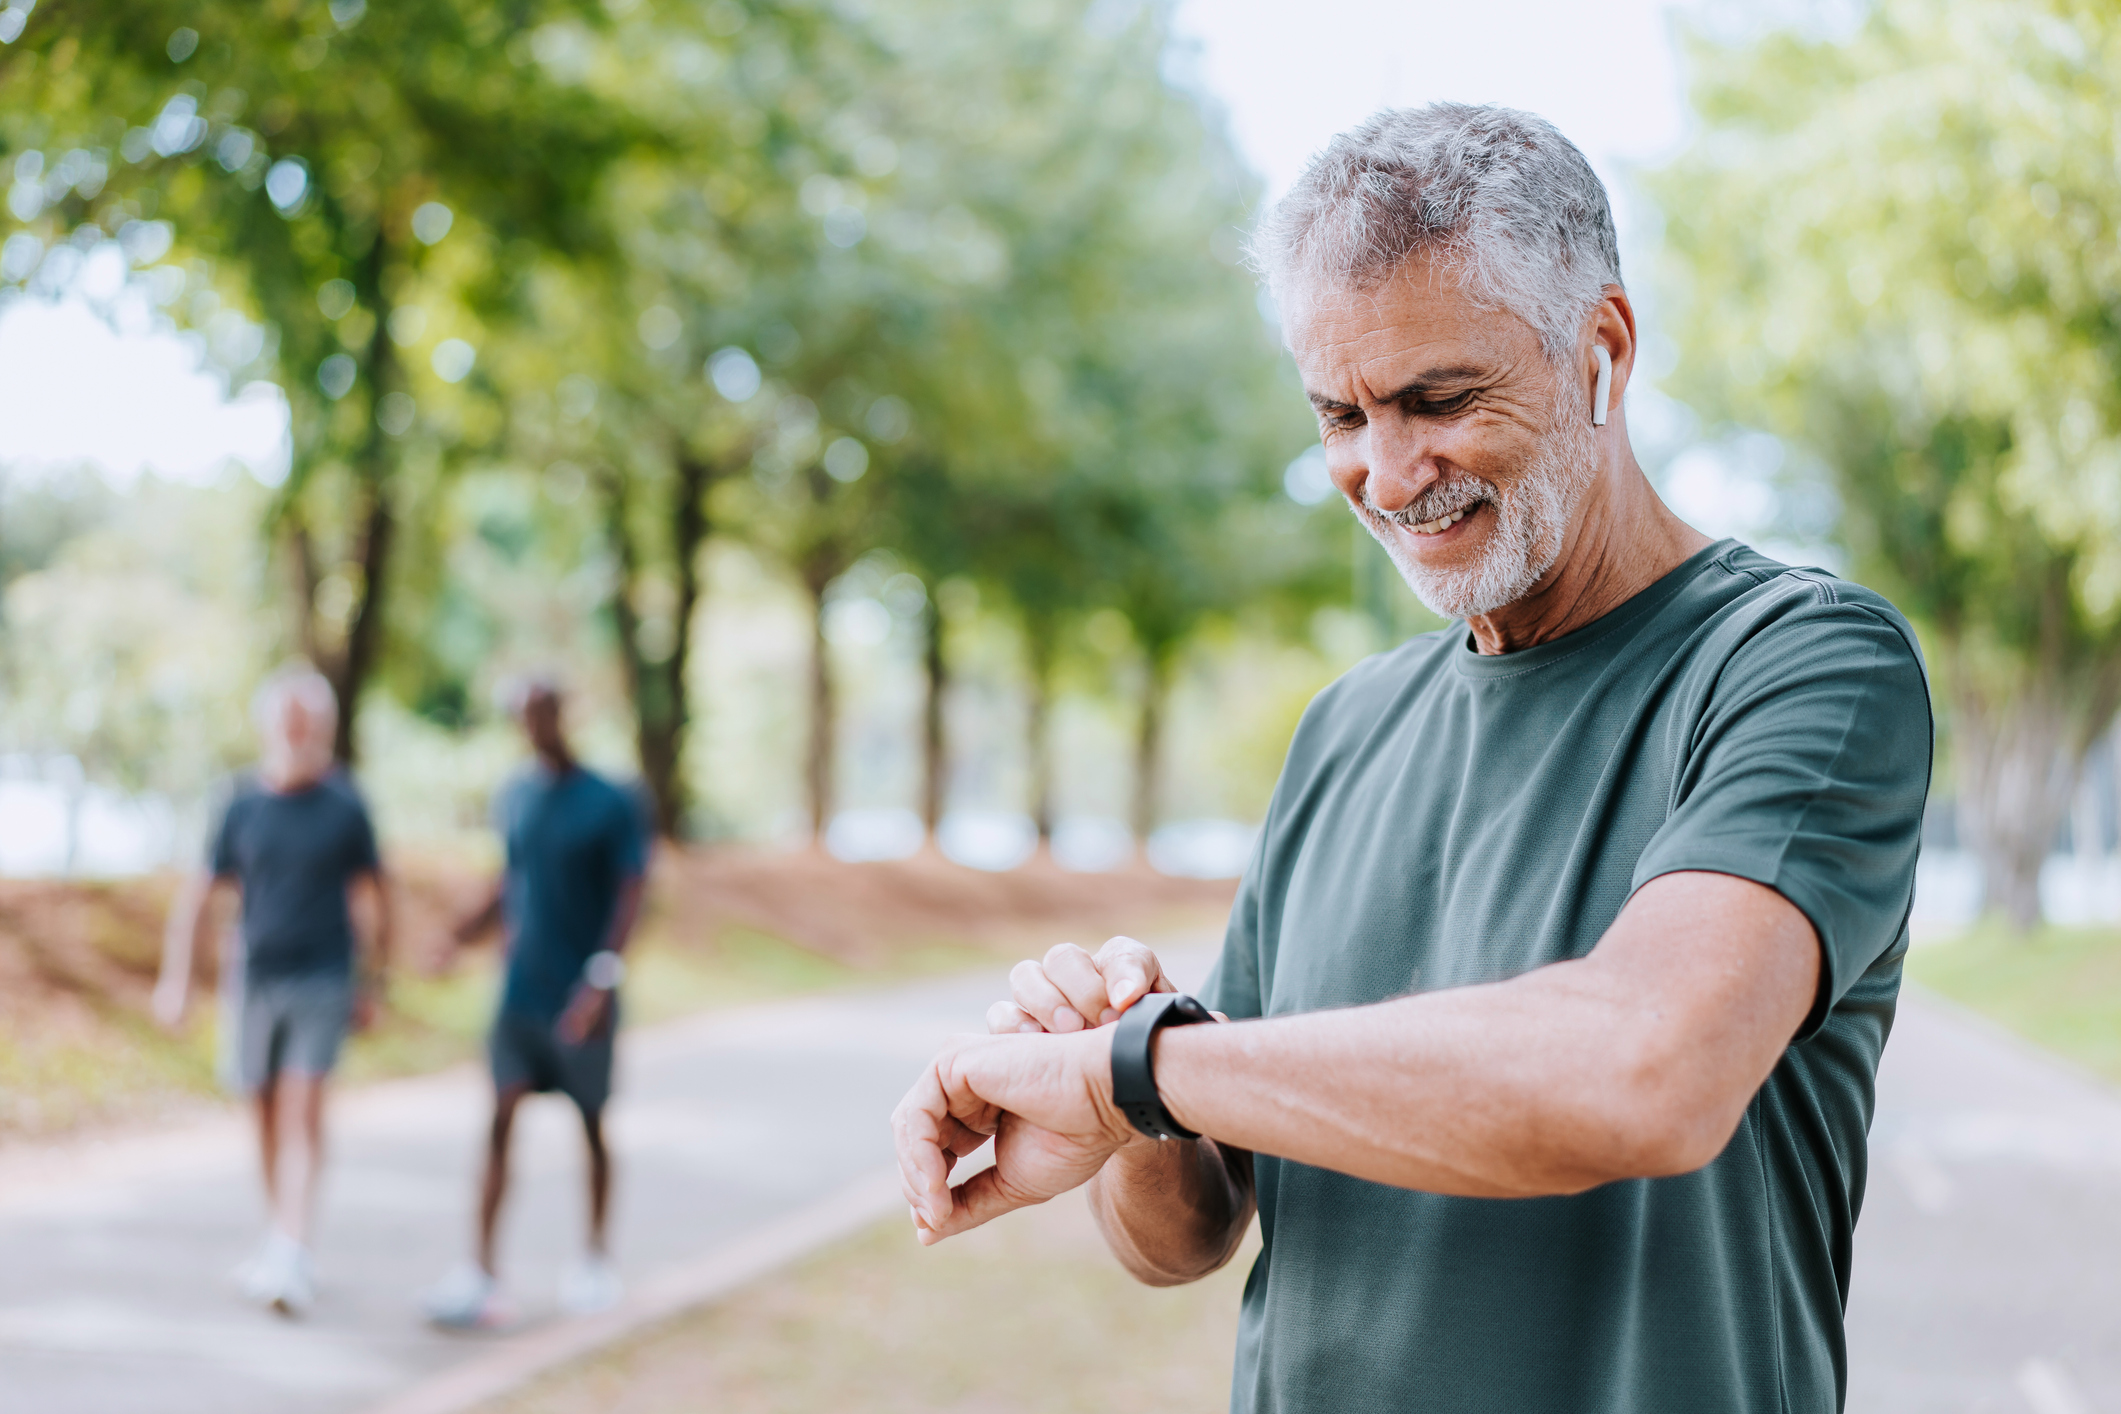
(1292,76)
(72,388)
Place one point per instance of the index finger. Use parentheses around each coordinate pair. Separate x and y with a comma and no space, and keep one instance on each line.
(1131,972)
(930,1134)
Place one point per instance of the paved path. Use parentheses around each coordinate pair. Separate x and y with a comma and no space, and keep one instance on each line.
(1985,1280)
(113,1296)
(1988,1257)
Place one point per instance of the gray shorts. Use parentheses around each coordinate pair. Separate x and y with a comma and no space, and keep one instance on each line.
(530,1053)
(273,1024)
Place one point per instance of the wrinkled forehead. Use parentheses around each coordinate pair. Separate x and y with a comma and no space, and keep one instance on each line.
(291,719)
(1421,313)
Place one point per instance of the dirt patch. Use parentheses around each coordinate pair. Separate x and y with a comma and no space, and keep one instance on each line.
(78,960)
(861,914)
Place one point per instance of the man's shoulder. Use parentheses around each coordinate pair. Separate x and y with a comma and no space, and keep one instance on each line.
(601,791)
(1385,675)
(1777,606)
(343,788)
(1353,703)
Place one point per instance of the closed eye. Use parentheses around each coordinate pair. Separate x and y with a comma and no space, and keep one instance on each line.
(1442,407)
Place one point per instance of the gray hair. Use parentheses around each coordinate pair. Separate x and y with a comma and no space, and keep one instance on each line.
(297,682)
(1501,196)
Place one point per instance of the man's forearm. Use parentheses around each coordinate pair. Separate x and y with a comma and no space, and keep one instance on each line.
(486,916)
(1636,1061)
(371,905)
(1173,1212)
(624,915)
(188,916)
(386,922)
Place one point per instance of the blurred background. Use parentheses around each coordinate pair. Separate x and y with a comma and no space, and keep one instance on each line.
(863,405)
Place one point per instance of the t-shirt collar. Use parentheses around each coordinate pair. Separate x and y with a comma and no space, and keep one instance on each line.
(1475,664)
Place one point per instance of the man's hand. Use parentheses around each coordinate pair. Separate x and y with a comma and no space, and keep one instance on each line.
(1047,1102)
(586,1011)
(1072,989)
(367,1005)
(172,991)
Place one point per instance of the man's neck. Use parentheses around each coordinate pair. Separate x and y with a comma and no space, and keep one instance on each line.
(1624,539)
(557,763)
(293,779)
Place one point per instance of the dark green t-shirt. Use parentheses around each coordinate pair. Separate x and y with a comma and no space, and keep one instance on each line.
(1447,819)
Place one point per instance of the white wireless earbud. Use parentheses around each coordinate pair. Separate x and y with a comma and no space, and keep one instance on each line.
(1603,397)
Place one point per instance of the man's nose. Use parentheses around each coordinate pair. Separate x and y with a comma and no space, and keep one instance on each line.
(1400,463)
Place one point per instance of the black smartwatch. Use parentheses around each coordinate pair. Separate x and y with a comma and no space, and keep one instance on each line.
(1133,1077)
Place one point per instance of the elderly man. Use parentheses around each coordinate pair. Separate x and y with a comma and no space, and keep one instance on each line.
(1558,983)
(296,844)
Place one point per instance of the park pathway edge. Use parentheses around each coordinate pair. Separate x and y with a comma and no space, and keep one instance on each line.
(516,1360)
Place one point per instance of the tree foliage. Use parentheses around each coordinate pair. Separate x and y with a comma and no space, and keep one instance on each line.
(1897,250)
(954,281)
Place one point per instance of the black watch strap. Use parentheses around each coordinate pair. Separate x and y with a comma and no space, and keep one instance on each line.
(1133,1076)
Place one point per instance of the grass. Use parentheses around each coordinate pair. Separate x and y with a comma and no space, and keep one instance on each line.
(2057,987)
(1029,1314)
(128,1069)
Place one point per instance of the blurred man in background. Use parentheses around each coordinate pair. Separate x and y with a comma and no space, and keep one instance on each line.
(577,850)
(297,847)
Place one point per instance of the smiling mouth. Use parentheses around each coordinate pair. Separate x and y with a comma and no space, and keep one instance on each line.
(1442,523)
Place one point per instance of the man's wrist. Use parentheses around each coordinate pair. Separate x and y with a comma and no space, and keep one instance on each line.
(1135,1088)
(1170,1052)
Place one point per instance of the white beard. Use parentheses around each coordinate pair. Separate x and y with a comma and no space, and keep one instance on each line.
(1529,522)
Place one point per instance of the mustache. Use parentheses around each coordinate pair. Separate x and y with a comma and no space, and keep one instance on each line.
(1458,494)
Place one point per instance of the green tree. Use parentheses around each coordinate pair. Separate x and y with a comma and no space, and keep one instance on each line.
(1106,390)
(1897,251)
(319,163)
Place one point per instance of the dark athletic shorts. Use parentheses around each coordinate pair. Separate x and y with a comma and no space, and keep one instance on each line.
(283,1023)
(530,1053)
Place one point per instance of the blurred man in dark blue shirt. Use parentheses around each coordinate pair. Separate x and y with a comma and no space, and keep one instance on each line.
(577,851)
(295,843)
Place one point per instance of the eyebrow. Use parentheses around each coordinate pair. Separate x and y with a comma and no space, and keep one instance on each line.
(1452,375)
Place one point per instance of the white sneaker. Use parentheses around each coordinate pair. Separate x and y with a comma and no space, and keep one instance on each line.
(278,1276)
(253,1276)
(589,1286)
(297,1290)
(465,1299)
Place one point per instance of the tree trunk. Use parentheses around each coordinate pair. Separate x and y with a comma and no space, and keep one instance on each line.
(661,696)
(1149,747)
(1038,726)
(662,705)
(2020,738)
(364,635)
(935,749)
(364,631)
(818,763)
(302,568)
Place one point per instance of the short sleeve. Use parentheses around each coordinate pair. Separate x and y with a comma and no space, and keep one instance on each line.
(1233,986)
(633,834)
(1806,772)
(364,856)
(221,859)
(502,812)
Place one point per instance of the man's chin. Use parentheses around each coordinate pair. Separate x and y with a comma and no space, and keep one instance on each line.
(1462,586)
